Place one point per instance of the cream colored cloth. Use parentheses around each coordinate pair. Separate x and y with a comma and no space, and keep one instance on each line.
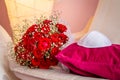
(25,73)
(5,73)
(107,19)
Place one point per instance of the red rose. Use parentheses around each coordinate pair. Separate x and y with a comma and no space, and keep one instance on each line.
(45,29)
(29,43)
(35,62)
(62,28)
(53,61)
(63,38)
(55,51)
(55,37)
(44,44)
(44,64)
(38,54)
(32,28)
(47,22)
(38,35)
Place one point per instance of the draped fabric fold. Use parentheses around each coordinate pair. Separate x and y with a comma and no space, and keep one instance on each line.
(19,10)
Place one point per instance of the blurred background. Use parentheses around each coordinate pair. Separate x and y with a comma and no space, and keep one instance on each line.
(75,12)
(81,15)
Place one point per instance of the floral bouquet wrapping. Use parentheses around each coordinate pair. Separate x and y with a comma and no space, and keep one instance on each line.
(40,43)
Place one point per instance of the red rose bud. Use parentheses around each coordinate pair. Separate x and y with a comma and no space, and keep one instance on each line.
(32,28)
(63,38)
(55,51)
(62,28)
(47,22)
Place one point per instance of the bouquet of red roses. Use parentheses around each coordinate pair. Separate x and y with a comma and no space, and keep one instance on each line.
(40,43)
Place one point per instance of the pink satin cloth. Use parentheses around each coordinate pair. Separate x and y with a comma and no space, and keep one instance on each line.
(95,62)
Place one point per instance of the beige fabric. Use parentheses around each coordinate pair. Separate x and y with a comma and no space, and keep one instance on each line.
(17,9)
(5,73)
(25,73)
(107,19)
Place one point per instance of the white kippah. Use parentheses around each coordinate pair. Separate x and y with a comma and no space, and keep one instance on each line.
(94,39)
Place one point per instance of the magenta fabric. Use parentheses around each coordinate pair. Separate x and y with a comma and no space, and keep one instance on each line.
(96,62)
